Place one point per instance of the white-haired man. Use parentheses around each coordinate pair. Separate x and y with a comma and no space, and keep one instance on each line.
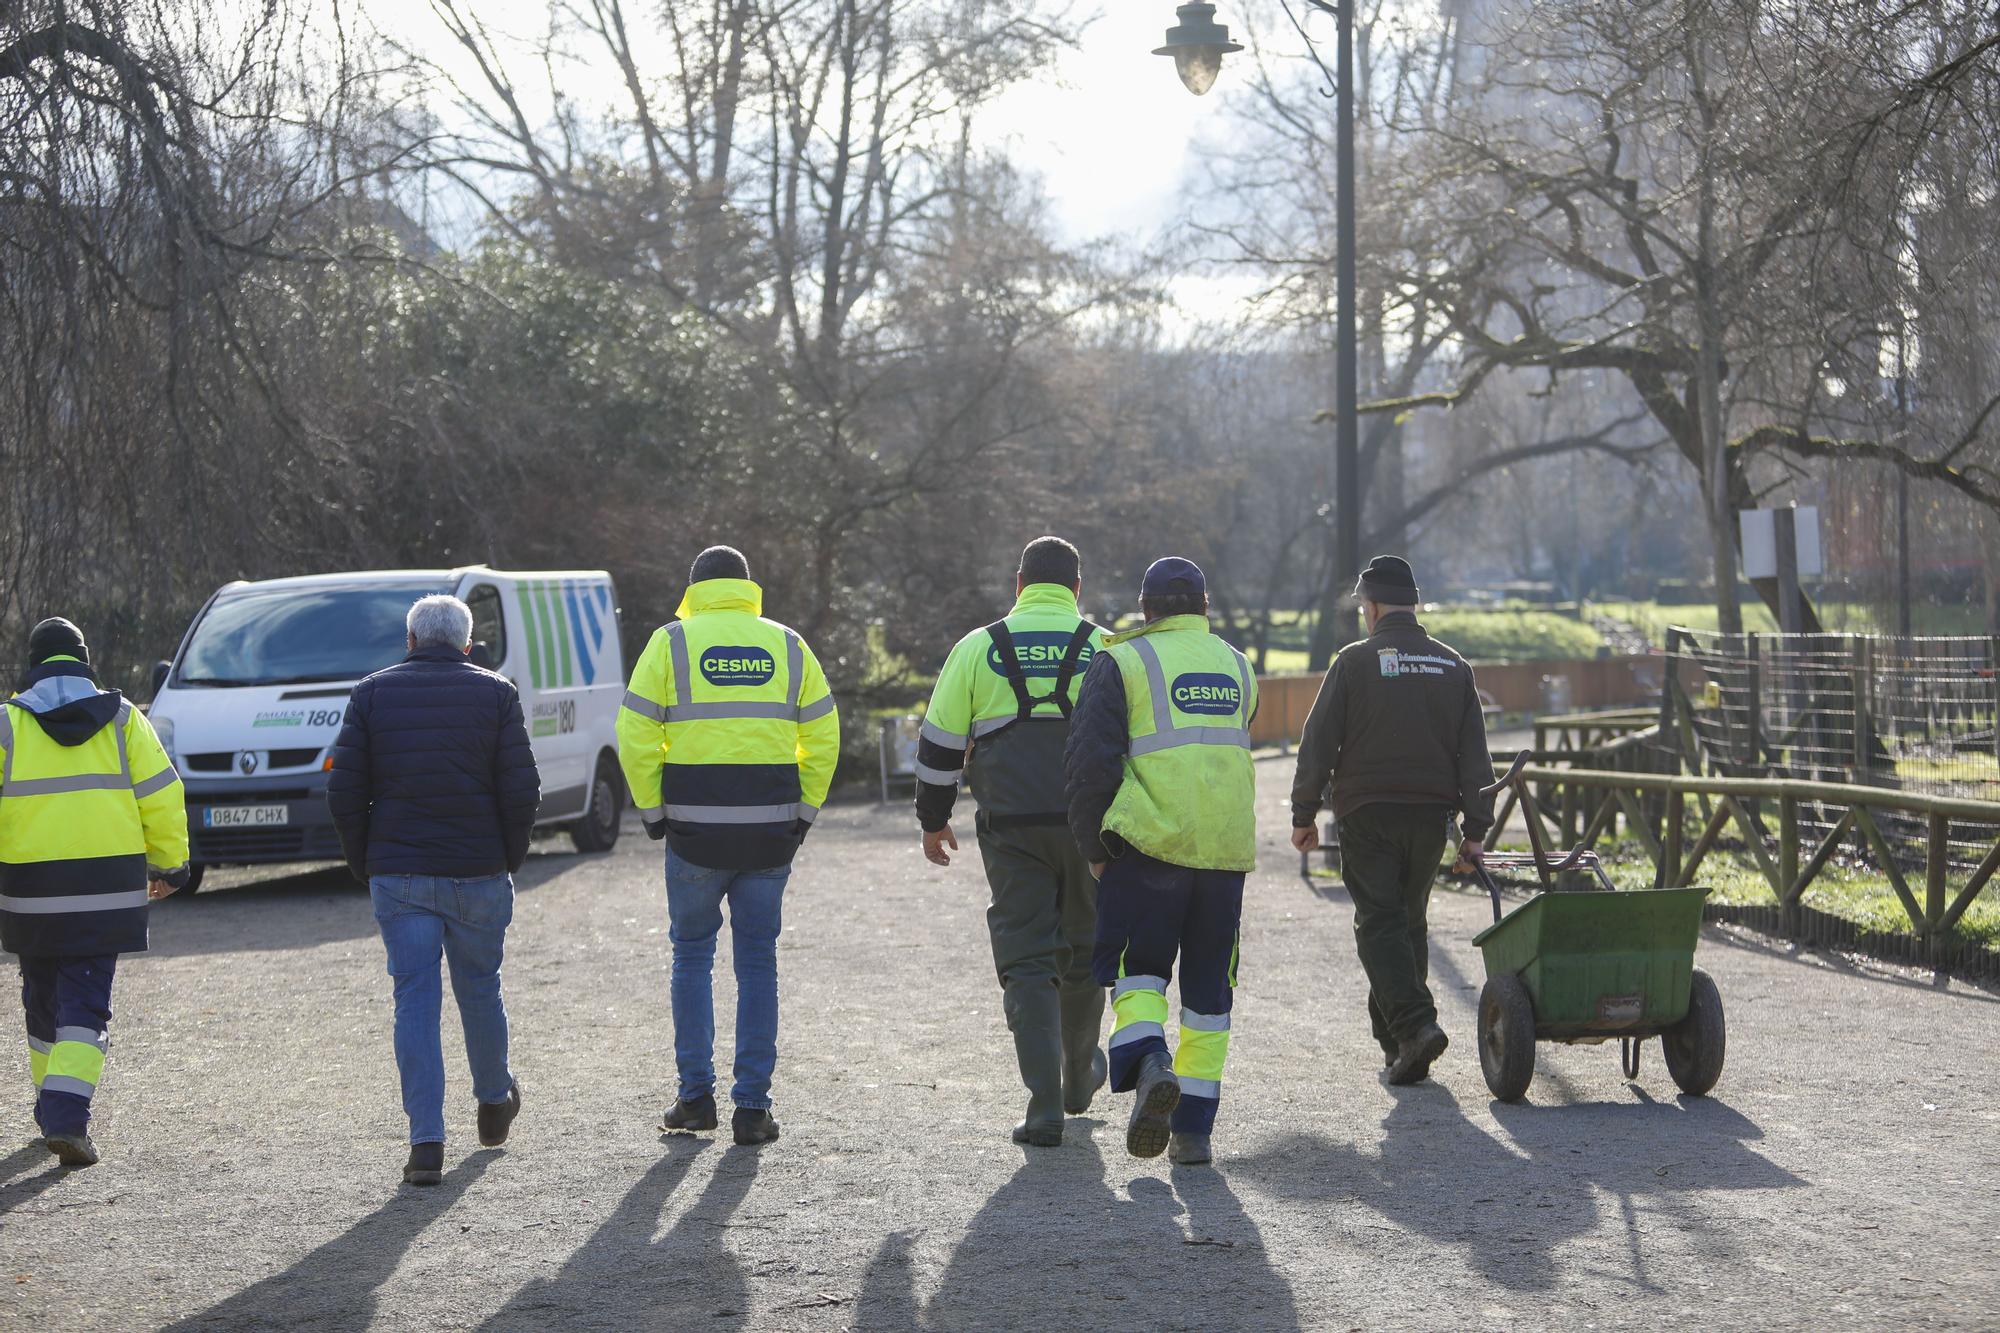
(434,790)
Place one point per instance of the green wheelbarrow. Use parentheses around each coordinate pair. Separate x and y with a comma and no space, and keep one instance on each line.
(1583,967)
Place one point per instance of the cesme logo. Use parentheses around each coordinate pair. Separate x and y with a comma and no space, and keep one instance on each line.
(738,666)
(1041,653)
(1206,694)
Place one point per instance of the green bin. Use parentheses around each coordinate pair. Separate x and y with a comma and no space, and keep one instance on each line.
(1600,964)
(1570,967)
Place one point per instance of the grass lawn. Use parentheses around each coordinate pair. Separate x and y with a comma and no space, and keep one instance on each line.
(1653,619)
(1502,634)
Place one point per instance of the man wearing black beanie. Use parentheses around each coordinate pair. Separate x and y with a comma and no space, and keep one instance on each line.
(1398,732)
(92,828)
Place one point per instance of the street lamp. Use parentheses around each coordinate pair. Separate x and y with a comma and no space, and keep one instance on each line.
(1197,46)
(1197,43)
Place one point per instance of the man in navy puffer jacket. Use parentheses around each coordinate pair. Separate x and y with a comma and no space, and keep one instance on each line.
(434,790)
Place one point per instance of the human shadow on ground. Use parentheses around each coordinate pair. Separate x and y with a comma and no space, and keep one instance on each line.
(1508,1207)
(299,910)
(1652,1157)
(1058,1247)
(622,1278)
(21,1181)
(335,1285)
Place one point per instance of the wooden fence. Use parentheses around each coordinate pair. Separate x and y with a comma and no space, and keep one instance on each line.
(1654,809)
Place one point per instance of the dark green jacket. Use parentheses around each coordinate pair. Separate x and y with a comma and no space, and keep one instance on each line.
(1397,720)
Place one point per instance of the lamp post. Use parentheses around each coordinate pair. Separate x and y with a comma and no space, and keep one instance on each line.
(1197,44)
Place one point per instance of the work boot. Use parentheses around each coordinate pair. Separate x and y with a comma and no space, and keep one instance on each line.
(72,1149)
(495,1117)
(1035,1135)
(1085,1069)
(426,1164)
(1415,1054)
(1153,1102)
(1077,1092)
(1190,1150)
(692,1117)
(1034,1015)
(753,1126)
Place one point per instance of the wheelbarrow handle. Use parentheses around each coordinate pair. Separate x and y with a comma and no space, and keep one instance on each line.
(1491,885)
(1513,772)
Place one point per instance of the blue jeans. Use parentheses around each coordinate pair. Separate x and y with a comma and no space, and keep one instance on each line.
(465,921)
(695,895)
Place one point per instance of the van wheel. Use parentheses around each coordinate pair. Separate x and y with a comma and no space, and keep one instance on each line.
(195,869)
(597,831)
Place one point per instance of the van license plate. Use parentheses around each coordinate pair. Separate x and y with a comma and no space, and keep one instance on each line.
(245,816)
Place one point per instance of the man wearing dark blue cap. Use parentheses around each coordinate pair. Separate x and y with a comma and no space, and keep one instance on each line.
(1162,802)
(1398,732)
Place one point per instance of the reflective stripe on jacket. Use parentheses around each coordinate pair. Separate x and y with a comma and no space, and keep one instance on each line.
(1189,790)
(728,732)
(89,803)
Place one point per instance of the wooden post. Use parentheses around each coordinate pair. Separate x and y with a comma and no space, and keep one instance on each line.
(1858,684)
(1788,845)
(1753,711)
(1670,841)
(1672,675)
(1791,598)
(1937,854)
(1993,674)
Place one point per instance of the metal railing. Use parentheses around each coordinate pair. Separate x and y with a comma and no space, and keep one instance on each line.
(1911,715)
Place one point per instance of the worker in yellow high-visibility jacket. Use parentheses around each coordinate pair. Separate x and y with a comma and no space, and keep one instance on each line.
(92,827)
(728,737)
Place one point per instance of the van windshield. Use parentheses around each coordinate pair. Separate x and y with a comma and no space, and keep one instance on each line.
(297,636)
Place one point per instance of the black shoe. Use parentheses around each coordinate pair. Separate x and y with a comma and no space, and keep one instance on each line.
(1153,1102)
(1038,1135)
(692,1117)
(1414,1056)
(426,1164)
(753,1127)
(1190,1150)
(72,1149)
(495,1117)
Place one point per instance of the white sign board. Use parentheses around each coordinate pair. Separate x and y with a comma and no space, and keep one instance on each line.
(1760,542)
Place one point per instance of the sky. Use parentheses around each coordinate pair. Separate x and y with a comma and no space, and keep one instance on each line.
(1110,131)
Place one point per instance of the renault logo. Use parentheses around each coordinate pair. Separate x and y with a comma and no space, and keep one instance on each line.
(247,761)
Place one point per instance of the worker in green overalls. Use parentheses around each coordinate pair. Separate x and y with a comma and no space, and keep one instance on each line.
(1000,717)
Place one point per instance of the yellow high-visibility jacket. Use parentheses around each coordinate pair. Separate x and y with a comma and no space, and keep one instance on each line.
(728,734)
(89,804)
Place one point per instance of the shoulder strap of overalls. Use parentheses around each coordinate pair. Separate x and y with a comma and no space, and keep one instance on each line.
(1072,658)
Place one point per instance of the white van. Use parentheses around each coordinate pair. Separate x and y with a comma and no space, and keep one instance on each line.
(250,706)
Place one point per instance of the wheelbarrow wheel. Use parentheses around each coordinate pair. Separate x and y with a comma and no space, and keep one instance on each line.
(1507,1037)
(1694,1046)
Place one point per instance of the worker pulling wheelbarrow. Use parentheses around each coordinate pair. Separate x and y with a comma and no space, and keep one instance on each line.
(1588,966)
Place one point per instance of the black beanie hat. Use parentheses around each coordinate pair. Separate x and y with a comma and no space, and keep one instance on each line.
(56,637)
(1388,580)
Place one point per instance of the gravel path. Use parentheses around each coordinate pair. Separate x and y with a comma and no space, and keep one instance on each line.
(1845,1175)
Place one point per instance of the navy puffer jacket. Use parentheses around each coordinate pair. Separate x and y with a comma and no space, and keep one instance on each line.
(433,773)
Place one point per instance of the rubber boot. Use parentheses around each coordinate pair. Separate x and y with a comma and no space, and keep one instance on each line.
(1034,1015)
(1085,1067)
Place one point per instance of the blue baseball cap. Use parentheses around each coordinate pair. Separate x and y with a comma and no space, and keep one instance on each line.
(1173,576)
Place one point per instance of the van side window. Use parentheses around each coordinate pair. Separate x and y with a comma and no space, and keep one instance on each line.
(489,626)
